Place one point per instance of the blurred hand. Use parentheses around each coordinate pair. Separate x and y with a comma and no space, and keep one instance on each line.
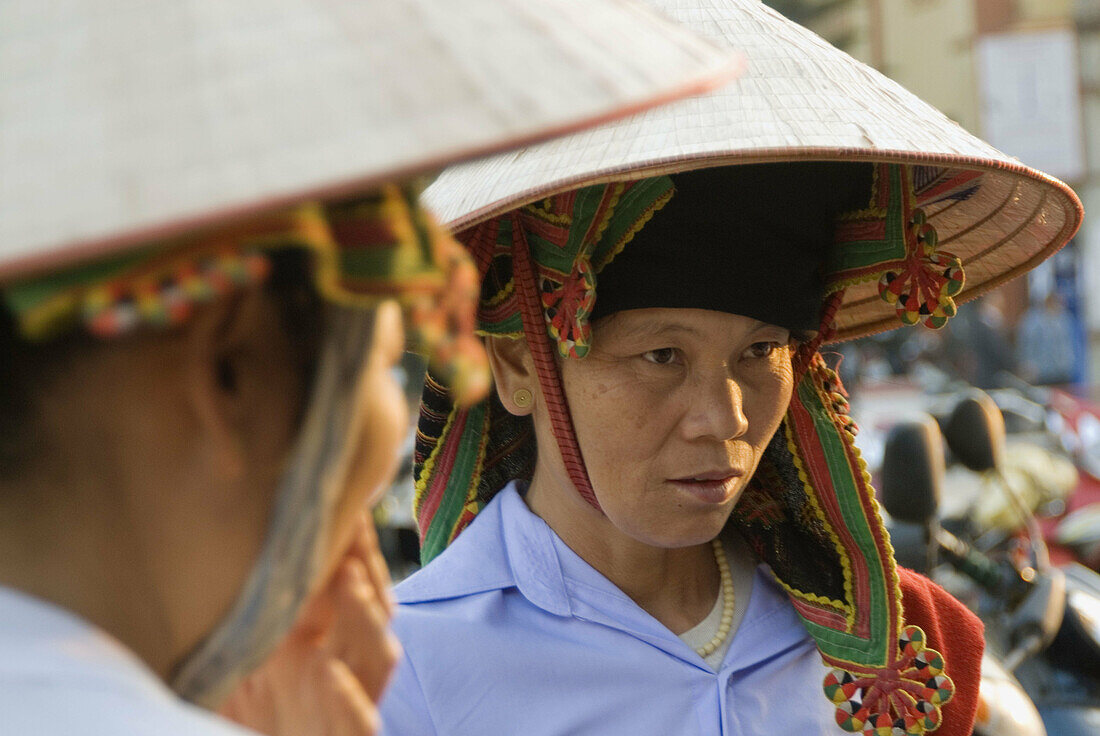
(329,673)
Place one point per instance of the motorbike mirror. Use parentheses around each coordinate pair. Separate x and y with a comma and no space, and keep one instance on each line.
(975,432)
(912,470)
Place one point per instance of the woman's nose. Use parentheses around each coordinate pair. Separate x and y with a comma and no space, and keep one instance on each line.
(718,410)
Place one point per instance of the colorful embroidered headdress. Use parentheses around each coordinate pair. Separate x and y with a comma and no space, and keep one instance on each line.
(944,218)
(363,251)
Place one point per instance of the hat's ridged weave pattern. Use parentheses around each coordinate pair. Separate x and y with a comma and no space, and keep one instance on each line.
(800,99)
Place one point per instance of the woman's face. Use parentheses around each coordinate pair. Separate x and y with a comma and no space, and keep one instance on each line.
(673,409)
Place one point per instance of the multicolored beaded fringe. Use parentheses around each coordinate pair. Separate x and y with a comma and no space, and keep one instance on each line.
(364,251)
(120,307)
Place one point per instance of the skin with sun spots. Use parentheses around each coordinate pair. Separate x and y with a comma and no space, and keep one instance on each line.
(673,409)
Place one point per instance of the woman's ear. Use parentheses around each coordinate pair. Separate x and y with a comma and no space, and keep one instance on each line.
(514,376)
(216,338)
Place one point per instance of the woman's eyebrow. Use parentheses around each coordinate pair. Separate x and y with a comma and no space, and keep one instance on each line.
(657,329)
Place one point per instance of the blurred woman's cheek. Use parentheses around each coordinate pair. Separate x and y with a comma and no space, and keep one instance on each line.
(377,430)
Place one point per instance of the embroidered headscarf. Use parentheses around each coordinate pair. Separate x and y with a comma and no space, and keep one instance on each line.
(809,511)
(364,251)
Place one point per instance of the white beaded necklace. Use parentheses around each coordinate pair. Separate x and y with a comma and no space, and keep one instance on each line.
(727,601)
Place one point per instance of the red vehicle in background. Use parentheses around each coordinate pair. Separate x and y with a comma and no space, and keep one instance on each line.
(1075,534)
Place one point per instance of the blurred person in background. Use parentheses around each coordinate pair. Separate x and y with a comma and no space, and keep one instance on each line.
(978,346)
(1044,343)
(206,278)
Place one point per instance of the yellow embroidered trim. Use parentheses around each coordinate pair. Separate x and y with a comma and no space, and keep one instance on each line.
(542,211)
(835,286)
(46,318)
(510,335)
(868,493)
(501,295)
(470,504)
(845,563)
(889,561)
(870,210)
(421,484)
(616,192)
(313,227)
(898,623)
(863,214)
(634,230)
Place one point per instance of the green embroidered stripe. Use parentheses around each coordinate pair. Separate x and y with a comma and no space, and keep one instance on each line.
(874,651)
(467,462)
(407,259)
(555,257)
(25,295)
(511,324)
(856,254)
(636,201)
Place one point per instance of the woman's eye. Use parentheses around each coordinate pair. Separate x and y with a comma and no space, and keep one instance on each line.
(762,349)
(660,356)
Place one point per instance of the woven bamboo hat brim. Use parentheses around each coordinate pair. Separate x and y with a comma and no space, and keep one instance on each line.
(799,99)
(126,122)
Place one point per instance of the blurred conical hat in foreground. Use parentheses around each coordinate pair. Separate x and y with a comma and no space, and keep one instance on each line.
(130,121)
(799,99)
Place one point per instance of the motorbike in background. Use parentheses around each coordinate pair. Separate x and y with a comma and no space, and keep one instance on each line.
(1041,671)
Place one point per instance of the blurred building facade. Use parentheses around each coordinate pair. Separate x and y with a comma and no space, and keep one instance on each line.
(1023,74)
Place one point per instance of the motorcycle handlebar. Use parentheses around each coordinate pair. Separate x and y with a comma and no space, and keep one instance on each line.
(972,563)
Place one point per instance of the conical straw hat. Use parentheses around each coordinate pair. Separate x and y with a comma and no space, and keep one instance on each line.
(125,122)
(799,99)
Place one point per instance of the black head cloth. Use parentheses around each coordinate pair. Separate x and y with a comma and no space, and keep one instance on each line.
(748,239)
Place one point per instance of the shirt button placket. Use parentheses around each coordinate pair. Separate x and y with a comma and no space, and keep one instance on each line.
(727,719)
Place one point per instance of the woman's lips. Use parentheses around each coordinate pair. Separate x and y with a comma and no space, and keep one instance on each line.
(711,488)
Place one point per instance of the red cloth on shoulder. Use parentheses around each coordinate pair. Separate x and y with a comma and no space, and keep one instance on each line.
(954,632)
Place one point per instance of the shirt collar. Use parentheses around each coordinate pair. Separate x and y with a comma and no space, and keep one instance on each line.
(508,546)
(43,642)
(770,624)
(530,544)
(505,546)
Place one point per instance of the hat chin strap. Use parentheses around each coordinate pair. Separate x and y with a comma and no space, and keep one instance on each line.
(824,333)
(546,368)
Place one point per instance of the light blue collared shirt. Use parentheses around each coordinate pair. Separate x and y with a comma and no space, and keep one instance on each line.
(508,631)
(61,676)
